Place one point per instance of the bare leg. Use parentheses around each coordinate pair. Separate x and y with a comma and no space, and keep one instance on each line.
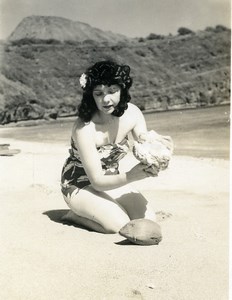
(97,209)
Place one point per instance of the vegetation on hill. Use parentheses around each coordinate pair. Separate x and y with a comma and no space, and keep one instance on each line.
(39,78)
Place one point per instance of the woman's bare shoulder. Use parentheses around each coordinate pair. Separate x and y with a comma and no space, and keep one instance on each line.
(133,111)
(132,108)
(81,126)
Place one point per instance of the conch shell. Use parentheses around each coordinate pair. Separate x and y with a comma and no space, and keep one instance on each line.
(154,151)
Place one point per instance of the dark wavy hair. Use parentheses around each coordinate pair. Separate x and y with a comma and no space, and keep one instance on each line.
(106,73)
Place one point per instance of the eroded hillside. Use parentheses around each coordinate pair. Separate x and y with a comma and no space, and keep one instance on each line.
(39,78)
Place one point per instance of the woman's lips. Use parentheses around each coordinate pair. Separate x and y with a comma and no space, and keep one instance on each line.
(107,106)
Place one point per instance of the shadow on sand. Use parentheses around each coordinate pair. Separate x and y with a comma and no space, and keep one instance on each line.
(57,216)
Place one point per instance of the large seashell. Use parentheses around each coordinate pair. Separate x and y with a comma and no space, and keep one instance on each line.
(155,154)
(142,232)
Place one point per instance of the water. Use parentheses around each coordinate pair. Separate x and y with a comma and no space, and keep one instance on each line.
(197,132)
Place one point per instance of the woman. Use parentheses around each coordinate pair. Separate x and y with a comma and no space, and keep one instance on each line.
(98,195)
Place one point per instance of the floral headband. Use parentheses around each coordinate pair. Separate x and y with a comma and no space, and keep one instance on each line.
(83,80)
(106,72)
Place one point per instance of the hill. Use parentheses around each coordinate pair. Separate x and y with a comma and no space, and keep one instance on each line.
(40,73)
(61,29)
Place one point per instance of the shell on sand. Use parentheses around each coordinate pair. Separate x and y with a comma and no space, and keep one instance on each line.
(142,232)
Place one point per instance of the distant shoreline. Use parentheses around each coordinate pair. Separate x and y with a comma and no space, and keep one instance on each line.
(197,133)
(28,123)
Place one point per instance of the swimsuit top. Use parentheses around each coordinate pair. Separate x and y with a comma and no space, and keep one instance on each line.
(73,173)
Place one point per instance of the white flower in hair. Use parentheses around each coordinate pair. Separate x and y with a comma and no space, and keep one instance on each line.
(83,80)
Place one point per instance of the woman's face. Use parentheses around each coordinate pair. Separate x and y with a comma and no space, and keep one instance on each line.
(107,97)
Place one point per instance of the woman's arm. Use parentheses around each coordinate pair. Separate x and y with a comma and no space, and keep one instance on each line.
(140,129)
(140,126)
(84,138)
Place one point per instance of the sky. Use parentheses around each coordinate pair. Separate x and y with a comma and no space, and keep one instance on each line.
(133,18)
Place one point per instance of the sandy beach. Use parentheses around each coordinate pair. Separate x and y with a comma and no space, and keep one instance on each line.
(42,258)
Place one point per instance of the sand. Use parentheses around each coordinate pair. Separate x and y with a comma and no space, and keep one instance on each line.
(42,258)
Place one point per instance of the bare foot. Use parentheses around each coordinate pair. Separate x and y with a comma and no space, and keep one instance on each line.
(71,217)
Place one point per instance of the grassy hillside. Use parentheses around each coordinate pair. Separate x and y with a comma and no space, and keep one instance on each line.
(39,78)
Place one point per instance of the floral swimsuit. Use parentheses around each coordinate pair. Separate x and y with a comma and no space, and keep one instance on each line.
(73,174)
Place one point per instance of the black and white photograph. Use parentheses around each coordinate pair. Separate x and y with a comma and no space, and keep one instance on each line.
(115,149)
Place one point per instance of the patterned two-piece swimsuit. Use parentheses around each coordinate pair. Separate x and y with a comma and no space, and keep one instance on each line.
(73,175)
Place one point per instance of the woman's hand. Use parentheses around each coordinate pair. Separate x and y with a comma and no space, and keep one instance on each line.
(138,172)
(167,141)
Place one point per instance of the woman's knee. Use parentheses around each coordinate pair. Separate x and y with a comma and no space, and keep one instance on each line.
(97,208)
(115,224)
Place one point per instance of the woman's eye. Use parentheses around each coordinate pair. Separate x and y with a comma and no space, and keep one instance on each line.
(109,92)
(97,94)
(113,91)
